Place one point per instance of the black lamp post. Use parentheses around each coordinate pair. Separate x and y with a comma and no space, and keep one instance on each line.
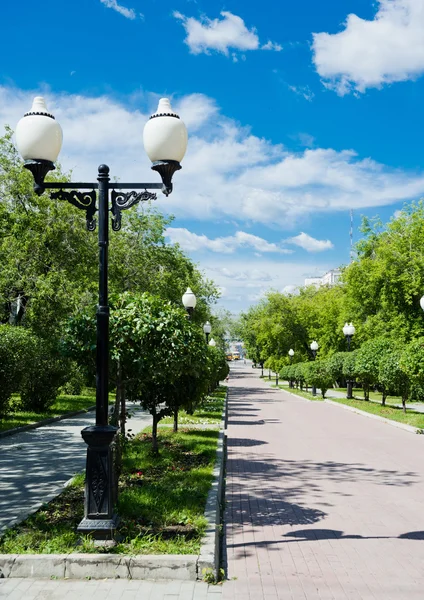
(349,331)
(207,328)
(291,354)
(189,301)
(39,140)
(314,350)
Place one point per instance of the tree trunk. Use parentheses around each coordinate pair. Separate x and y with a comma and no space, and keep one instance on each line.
(175,420)
(155,433)
(123,415)
(366,391)
(383,398)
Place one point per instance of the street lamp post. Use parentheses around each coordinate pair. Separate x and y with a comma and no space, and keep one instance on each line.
(39,140)
(349,331)
(207,328)
(291,354)
(189,301)
(314,350)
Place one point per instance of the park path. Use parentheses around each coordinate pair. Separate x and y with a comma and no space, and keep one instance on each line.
(320,502)
(36,464)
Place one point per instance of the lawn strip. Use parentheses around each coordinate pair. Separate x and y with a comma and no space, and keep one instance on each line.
(161,499)
(208,412)
(64,404)
(300,393)
(393,413)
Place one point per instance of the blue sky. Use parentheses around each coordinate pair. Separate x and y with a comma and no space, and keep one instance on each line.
(297,112)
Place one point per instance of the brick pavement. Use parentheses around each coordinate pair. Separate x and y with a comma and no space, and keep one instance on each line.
(321,502)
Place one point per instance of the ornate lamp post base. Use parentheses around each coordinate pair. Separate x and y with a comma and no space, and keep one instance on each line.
(349,395)
(99,499)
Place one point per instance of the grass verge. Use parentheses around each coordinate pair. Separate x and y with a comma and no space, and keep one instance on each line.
(389,412)
(161,501)
(302,393)
(63,404)
(209,412)
(376,396)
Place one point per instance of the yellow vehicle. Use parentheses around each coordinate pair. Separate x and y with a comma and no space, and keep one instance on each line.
(229,357)
(236,355)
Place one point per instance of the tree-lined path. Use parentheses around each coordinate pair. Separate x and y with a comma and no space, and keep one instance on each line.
(321,502)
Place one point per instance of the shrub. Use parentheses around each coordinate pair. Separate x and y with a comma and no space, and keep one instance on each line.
(75,381)
(44,374)
(14,351)
(318,374)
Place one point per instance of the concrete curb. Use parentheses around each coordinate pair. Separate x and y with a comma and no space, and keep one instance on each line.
(99,566)
(8,432)
(182,567)
(408,428)
(210,550)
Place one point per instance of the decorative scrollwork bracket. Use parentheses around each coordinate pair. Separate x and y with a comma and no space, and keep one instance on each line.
(124,200)
(82,200)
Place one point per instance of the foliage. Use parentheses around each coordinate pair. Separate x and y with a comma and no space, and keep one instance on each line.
(13,360)
(318,374)
(30,366)
(412,361)
(392,378)
(367,362)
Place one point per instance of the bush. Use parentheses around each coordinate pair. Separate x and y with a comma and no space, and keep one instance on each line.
(335,366)
(75,381)
(319,375)
(45,372)
(14,352)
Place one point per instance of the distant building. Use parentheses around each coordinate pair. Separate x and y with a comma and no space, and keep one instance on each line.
(330,278)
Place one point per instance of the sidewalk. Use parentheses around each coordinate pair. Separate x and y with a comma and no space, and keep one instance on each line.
(321,503)
(36,464)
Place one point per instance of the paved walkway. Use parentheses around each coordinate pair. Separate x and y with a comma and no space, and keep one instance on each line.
(322,503)
(36,464)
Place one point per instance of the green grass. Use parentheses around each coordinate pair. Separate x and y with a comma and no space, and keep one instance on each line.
(389,412)
(63,404)
(209,411)
(302,393)
(161,500)
(359,393)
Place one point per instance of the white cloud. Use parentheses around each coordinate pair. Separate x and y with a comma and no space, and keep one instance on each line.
(309,243)
(303,91)
(248,276)
(228,173)
(129,13)
(368,54)
(272,46)
(242,285)
(191,242)
(221,35)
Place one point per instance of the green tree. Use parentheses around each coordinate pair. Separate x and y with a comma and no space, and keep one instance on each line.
(393,378)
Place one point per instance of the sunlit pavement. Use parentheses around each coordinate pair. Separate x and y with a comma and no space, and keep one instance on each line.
(321,502)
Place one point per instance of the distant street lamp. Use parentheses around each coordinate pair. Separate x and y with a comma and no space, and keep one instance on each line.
(291,354)
(212,343)
(207,328)
(189,301)
(314,350)
(349,331)
(39,140)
